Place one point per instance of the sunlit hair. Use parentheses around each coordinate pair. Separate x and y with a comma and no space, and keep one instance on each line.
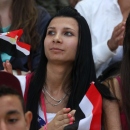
(24,16)
(125,71)
(83,71)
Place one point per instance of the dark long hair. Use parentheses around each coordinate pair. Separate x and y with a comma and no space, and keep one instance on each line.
(110,72)
(125,71)
(83,71)
(24,15)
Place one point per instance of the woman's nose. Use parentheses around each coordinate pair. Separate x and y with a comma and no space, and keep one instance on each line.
(57,38)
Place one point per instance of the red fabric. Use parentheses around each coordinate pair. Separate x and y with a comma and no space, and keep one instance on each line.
(16,35)
(96,99)
(123,121)
(28,79)
(24,45)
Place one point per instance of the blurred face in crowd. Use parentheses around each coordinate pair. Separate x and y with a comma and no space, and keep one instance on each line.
(61,40)
(12,116)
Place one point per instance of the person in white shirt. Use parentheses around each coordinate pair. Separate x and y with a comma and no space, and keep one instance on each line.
(106,20)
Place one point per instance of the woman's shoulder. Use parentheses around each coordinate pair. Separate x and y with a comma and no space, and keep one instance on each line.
(114,83)
(112,108)
(117,86)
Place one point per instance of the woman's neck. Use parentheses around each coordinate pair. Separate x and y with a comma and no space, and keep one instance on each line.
(58,77)
(125,7)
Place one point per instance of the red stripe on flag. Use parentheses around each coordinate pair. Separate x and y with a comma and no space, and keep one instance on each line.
(15,33)
(95,98)
(18,33)
(23,45)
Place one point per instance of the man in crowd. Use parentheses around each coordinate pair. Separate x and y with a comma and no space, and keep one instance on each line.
(13,115)
(106,20)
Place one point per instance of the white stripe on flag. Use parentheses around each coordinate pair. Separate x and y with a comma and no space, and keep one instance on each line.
(22,80)
(1,34)
(25,51)
(86,107)
(9,39)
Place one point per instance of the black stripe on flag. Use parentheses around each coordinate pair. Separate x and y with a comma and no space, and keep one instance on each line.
(10,49)
(78,116)
(73,126)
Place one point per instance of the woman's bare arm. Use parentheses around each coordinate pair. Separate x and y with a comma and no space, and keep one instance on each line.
(111,109)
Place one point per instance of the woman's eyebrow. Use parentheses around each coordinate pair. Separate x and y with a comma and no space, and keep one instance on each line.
(51,28)
(67,28)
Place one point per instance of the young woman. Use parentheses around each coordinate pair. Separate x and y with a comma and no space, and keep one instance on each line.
(63,77)
(23,14)
(120,88)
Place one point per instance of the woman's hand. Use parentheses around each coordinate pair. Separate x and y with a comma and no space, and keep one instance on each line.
(62,119)
(7,67)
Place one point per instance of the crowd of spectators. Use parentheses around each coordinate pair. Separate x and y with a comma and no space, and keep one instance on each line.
(78,65)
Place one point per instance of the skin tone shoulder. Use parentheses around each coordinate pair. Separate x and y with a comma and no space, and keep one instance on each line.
(12,116)
(112,109)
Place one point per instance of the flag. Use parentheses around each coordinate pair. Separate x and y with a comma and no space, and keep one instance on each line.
(88,114)
(10,44)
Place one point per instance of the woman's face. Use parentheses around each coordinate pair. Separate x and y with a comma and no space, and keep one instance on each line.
(61,40)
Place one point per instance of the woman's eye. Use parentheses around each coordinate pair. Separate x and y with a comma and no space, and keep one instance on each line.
(68,34)
(12,120)
(50,32)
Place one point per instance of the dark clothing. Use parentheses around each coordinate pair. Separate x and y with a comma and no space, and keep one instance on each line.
(53,6)
(34,57)
(122,113)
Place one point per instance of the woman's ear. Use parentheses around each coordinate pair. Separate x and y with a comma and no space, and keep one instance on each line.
(28,119)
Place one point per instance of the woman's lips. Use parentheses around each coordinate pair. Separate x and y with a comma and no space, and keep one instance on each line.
(56,49)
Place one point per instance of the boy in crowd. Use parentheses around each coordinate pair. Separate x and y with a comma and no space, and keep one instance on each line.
(13,115)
